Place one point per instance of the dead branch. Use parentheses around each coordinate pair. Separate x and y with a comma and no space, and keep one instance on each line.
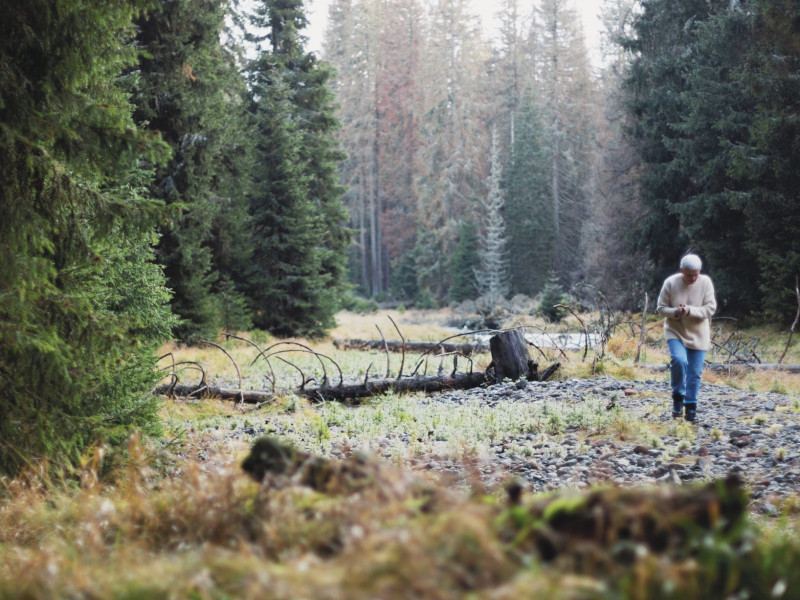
(257,347)
(403,359)
(386,348)
(294,366)
(303,346)
(641,333)
(238,372)
(189,365)
(796,319)
(306,349)
(583,326)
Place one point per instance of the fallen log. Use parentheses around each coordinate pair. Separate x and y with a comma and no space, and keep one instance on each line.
(342,393)
(417,347)
(347,393)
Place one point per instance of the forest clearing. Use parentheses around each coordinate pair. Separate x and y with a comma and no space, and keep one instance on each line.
(415,496)
(382,319)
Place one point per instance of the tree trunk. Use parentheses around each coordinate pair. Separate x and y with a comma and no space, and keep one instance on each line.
(510,356)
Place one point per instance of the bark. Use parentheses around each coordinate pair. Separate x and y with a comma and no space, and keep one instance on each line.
(397,346)
(351,393)
(510,356)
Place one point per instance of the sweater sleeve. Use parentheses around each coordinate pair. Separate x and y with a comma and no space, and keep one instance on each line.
(709,306)
(664,301)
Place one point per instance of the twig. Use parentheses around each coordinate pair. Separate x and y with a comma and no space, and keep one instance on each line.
(366,374)
(257,347)
(319,356)
(386,349)
(238,372)
(583,325)
(403,359)
(552,341)
(796,319)
(228,354)
(190,365)
(544,356)
(302,375)
(303,346)
(642,332)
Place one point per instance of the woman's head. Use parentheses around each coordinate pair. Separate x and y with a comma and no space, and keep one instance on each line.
(690,268)
(691,261)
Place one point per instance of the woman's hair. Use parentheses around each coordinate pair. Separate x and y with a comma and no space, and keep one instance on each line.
(691,262)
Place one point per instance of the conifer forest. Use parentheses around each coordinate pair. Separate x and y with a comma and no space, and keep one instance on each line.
(170,169)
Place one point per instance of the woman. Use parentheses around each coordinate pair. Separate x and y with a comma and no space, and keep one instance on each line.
(687,302)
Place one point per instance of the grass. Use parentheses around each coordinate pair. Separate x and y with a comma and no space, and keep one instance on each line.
(177,518)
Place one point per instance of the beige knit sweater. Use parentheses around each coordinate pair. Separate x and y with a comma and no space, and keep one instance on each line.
(693,330)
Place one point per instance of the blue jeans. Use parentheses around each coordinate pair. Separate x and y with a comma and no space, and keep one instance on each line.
(685,369)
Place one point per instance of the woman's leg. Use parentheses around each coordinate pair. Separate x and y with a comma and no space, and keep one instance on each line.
(695,361)
(678,368)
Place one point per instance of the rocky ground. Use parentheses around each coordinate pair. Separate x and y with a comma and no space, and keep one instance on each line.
(756,435)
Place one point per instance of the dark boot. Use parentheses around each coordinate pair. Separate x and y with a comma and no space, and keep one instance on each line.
(691,413)
(677,405)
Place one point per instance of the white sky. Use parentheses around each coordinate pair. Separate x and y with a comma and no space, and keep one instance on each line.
(588,9)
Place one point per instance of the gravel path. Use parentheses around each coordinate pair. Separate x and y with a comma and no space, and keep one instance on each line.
(754,434)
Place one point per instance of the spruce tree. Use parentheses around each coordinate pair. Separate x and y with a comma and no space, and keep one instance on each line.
(464,264)
(656,98)
(765,167)
(492,275)
(81,302)
(296,279)
(529,211)
(191,92)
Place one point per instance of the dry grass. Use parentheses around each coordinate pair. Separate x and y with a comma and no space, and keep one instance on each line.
(414,324)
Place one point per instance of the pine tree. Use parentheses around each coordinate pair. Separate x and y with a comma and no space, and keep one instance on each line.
(528,209)
(82,305)
(764,167)
(464,264)
(656,83)
(614,259)
(453,164)
(552,295)
(703,180)
(297,274)
(191,92)
(569,98)
(492,275)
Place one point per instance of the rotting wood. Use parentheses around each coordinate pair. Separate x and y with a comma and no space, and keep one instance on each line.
(342,393)
(513,360)
(510,358)
(397,346)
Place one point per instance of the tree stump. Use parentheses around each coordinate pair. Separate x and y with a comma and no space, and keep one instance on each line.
(510,356)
